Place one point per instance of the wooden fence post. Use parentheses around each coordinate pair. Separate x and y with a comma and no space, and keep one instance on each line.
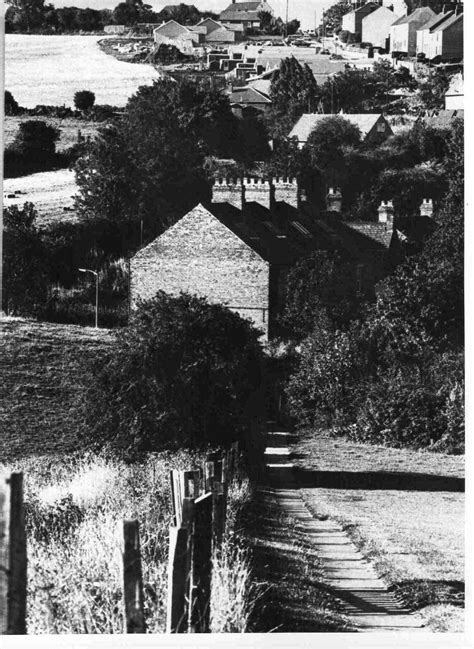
(17,566)
(4,502)
(132,579)
(201,565)
(179,570)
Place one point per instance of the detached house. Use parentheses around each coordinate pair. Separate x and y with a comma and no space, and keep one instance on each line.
(238,249)
(172,33)
(245,14)
(373,127)
(403,31)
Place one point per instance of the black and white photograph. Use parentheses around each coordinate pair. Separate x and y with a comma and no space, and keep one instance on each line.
(232,350)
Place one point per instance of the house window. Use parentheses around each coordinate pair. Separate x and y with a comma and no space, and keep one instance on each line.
(381,127)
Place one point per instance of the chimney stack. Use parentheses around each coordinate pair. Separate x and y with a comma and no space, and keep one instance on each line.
(285,190)
(257,190)
(386,212)
(426,208)
(334,200)
(228,191)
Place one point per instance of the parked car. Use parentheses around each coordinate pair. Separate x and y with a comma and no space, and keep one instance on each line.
(325,51)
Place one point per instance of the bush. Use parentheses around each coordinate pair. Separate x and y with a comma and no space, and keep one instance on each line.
(84,100)
(11,105)
(182,373)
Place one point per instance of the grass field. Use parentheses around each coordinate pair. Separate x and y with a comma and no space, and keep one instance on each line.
(50,69)
(39,368)
(52,193)
(404,509)
(68,128)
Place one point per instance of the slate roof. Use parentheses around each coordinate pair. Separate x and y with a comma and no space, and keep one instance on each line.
(415,15)
(307,122)
(262,85)
(248,95)
(436,20)
(377,234)
(448,23)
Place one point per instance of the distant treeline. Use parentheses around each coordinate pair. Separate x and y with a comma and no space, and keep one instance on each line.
(37,17)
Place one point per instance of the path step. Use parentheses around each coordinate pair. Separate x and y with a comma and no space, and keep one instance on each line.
(363,595)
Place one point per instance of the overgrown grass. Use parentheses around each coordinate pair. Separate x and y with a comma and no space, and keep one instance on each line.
(74,513)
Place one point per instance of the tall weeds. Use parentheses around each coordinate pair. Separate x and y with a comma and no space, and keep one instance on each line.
(74,513)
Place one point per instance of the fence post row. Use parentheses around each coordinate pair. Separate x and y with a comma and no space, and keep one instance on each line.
(132,579)
(199,501)
(13,559)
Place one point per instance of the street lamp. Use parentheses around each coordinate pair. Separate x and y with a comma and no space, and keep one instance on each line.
(93,272)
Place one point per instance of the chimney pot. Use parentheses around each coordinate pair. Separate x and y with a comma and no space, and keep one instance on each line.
(386,212)
(426,208)
(334,200)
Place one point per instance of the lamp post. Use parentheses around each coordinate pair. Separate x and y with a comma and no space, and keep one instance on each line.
(93,272)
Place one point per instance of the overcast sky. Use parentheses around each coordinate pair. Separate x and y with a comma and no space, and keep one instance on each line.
(304,10)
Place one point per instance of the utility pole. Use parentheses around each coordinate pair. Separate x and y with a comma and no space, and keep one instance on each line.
(287,18)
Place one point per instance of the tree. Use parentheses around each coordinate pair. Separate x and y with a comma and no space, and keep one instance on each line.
(266,21)
(36,140)
(327,146)
(432,87)
(84,100)
(25,15)
(332,17)
(149,166)
(293,91)
(11,104)
(323,287)
(181,374)
(24,262)
(292,27)
(131,12)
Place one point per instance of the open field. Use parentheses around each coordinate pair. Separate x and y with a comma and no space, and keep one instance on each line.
(68,127)
(404,509)
(52,193)
(50,69)
(39,369)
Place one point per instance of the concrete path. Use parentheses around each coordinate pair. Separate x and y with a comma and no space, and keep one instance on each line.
(364,596)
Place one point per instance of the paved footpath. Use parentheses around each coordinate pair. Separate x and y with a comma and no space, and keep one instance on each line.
(364,596)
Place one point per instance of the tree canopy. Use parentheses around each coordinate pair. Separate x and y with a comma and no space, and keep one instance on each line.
(181,374)
(149,165)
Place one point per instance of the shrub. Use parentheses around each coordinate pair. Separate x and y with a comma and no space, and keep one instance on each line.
(11,105)
(84,100)
(182,373)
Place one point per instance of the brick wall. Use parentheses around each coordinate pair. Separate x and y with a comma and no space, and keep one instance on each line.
(202,256)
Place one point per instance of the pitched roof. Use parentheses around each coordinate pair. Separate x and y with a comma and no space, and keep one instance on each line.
(377,233)
(415,15)
(248,96)
(449,22)
(242,6)
(436,20)
(262,85)
(307,122)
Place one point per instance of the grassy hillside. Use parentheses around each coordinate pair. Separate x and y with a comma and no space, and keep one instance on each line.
(51,192)
(404,509)
(39,367)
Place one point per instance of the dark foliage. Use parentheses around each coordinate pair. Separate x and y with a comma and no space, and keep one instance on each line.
(395,376)
(182,373)
(84,100)
(11,105)
(25,271)
(149,165)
